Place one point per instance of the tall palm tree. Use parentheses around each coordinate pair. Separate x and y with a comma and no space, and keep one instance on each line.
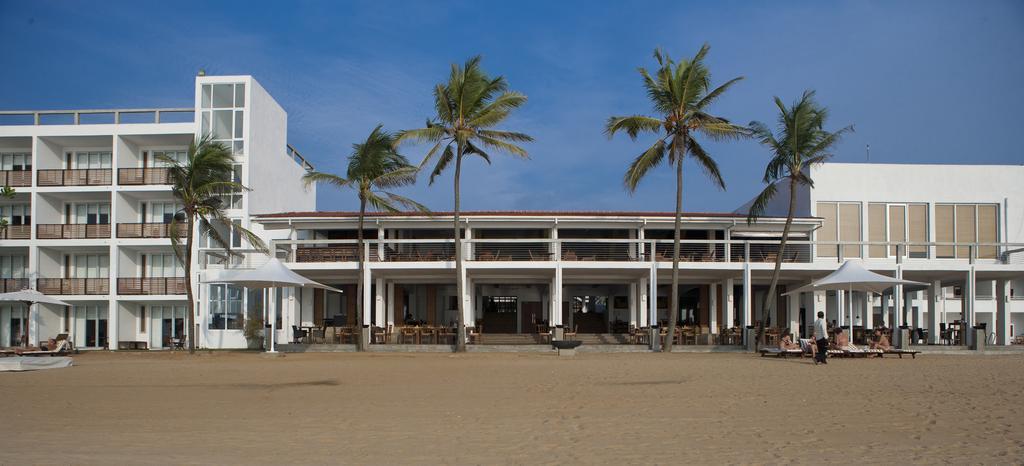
(373,165)
(801,143)
(199,184)
(680,94)
(467,108)
(6,192)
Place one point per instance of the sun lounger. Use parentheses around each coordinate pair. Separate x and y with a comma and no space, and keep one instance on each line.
(6,352)
(63,348)
(777,352)
(900,352)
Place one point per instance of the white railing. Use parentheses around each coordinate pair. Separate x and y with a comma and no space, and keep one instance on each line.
(633,250)
(108,116)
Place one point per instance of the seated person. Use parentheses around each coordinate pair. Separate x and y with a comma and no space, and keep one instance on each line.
(842,342)
(880,341)
(808,345)
(786,342)
(409,320)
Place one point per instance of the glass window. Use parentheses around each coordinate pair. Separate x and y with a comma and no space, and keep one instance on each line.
(206,96)
(944,232)
(828,231)
(966,229)
(240,95)
(917,229)
(225,305)
(222,124)
(897,227)
(223,95)
(205,129)
(238,124)
(876,229)
(850,228)
(988,221)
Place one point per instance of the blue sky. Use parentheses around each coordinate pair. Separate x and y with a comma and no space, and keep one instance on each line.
(929,81)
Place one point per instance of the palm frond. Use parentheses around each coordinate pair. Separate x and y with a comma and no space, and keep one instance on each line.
(633,125)
(646,161)
(760,203)
(706,163)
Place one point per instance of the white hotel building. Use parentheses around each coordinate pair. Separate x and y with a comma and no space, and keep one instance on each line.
(89,224)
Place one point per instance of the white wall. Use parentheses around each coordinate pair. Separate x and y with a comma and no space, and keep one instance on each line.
(274,178)
(873,182)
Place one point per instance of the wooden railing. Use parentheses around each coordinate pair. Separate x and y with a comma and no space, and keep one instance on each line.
(8,285)
(16,178)
(147,286)
(73,286)
(72,231)
(143,176)
(75,177)
(149,230)
(16,232)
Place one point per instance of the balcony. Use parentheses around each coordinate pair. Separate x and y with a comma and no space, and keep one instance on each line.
(74,286)
(150,230)
(72,231)
(143,176)
(568,250)
(16,232)
(79,177)
(16,178)
(8,285)
(151,286)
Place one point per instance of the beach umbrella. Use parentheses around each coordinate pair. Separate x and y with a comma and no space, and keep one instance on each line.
(851,276)
(273,274)
(30,297)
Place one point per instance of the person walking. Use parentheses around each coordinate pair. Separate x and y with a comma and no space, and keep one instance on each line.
(821,338)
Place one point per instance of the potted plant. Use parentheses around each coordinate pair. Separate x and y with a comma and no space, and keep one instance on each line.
(254,333)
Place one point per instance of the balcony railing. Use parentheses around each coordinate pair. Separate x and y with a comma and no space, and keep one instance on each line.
(143,176)
(72,231)
(632,250)
(149,230)
(8,285)
(101,116)
(16,232)
(75,177)
(148,286)
(16,178)
(73,286)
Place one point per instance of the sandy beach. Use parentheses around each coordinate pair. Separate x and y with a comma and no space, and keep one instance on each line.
(513,409)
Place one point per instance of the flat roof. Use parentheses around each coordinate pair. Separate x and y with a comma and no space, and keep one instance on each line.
(508,213)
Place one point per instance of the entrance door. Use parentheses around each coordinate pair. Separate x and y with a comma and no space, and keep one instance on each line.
(531,314)
(500,314)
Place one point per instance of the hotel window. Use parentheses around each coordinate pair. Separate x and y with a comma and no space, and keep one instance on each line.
(163,265)
(13,266)
(90,325)
(841,221)
(16,214)
(88,214)
(897,223)
(965,224)
(15,161)
(501,304)
(89,160)
(160,158)
(161,212)
(232,199)
(223,117)
(88,266)
(225,305)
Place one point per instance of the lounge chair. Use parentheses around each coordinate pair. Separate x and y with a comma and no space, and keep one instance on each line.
(779,352)
(900,353)
(63,348)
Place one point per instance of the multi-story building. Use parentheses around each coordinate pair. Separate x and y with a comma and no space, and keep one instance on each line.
(90,224)
(958,229)
(90,221)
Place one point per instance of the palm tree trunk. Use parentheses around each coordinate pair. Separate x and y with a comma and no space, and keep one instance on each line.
(673,314)
(460,286)
(361,341)
(188,286)
(769,299)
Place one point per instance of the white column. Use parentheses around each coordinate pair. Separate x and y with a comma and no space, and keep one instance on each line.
(467,299)
(969,297)
(934,295)
(113,310)
(745,316)
(713,307)
(869,312)
(793,313)
(1002,328)
(908,309)
(378,305)
(728,303)
(634,304)
(642,311)
(556,303)
(271,304)
(841,305)
(391,303)
(652,305)
(367,300)
(897,304)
